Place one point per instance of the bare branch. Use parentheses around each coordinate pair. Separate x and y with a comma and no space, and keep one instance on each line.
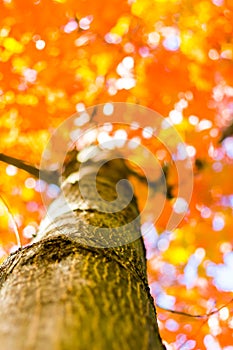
(203,316)
(14,224)
(51,177)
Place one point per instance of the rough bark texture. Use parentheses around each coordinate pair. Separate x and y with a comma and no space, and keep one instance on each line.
(63,293)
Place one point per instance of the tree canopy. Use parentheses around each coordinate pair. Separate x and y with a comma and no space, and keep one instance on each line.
(175,57)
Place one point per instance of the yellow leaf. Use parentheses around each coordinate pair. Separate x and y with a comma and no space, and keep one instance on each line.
(13,45)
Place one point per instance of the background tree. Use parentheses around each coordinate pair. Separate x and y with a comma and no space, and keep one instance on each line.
(180,65)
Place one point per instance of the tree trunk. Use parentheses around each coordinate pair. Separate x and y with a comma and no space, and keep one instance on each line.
(72,289)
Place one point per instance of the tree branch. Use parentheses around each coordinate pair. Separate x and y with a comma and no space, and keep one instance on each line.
(194,316)
(51,177)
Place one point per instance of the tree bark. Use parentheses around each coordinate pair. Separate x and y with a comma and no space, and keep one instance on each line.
(67,292)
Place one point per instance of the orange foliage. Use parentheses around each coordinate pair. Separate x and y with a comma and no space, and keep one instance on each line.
(56,55)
